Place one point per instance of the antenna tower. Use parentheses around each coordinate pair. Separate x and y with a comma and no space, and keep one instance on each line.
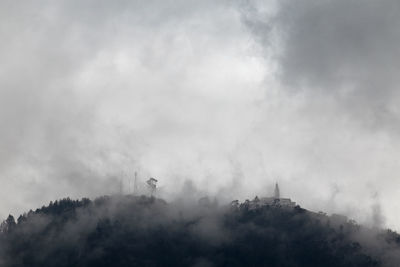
(135,189)
(276,193)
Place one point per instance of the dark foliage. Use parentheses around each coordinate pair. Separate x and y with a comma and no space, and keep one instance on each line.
(142,231)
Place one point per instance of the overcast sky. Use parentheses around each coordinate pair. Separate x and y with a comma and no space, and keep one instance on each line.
(231,95)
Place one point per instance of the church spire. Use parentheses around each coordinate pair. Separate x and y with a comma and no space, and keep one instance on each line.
(276,193)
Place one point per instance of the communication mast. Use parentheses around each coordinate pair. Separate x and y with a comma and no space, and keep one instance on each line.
(135,188)
(276,193)
(129,184)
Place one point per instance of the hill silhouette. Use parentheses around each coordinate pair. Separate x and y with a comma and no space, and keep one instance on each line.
(146,231)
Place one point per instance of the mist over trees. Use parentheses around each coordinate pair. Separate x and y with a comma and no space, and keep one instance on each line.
(146,231)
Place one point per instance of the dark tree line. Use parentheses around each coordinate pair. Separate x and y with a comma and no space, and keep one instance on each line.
(142,231)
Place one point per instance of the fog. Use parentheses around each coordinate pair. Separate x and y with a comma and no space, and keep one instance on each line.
(232,96)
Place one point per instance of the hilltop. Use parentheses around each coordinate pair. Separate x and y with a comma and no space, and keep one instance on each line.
(146,231)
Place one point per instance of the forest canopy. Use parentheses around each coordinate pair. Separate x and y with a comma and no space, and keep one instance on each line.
(146,231)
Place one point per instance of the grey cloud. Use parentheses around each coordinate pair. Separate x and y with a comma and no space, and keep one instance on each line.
(91,89)
(175,89)
(344,49)
(336,72)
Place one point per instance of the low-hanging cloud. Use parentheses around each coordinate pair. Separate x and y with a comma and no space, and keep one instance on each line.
(230,95)
(92,92)
(347,50)
(337,68)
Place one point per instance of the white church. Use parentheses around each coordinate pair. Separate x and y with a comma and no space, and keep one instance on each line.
(276,200)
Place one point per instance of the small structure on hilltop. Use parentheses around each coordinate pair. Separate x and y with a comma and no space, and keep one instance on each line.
(152,185)
(276,200)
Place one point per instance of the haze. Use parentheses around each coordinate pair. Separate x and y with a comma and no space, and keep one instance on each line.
(232,96)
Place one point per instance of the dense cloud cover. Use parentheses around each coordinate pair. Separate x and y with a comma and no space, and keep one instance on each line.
(94,91)
(229,95)
(336,62)
(143,231)
(342,49)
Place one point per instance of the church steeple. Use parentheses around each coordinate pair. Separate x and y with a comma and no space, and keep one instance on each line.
(276,193)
